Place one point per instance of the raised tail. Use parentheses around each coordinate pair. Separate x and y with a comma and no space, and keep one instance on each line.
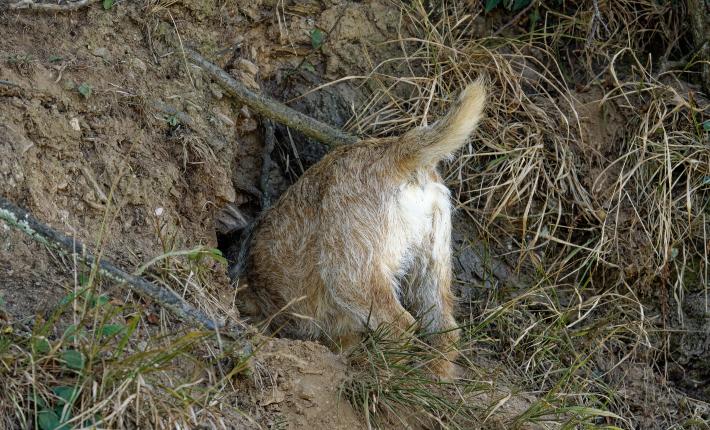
(427,146)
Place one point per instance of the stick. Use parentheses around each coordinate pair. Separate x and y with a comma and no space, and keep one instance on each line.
(30,4)
(25,222)
(269,140)
(265,106)
(699,14)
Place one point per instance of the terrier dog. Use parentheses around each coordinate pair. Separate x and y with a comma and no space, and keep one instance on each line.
(363,239)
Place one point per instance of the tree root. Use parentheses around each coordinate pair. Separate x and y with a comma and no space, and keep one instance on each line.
(269,108)
(50,7)
(699,15)
(28,224)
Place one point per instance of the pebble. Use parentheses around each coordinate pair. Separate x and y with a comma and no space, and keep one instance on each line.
(247,67)
(139,64)
(216,91)
(74,123)
(103,53)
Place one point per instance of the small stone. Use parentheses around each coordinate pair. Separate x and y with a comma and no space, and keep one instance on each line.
(103,53)
(249,81)
(247,67)
(74,123)
(137,63)
(224,118)
(216,91)
(68,84)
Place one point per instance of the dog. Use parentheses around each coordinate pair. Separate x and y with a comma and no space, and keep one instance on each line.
(363,238)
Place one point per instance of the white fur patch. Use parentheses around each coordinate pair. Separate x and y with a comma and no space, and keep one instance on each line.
(420,214)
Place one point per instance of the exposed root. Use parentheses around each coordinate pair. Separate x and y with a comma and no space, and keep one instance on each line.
(50,7)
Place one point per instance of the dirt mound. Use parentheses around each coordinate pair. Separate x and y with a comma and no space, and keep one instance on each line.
(297,385)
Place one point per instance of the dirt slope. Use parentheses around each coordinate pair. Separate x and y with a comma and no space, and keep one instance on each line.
(88,110)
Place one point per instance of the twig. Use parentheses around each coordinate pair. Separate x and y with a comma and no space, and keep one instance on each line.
(699,14)
(31,4)
(9,83)
(25,222)
(269,140)
(269,108)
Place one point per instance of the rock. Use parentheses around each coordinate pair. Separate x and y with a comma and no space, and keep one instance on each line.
(103,53)
(74,123)
(68,84)
(139,64)
(247,66)
(216,91)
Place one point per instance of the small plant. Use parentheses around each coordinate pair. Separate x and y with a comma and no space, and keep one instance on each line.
(172,120)
(391,381)
(317,38)
(90,364)
(85,90)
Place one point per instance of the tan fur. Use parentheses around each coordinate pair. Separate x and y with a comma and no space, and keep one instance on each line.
(363,237)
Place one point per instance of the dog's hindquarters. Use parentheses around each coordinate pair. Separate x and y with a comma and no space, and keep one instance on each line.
(422,148)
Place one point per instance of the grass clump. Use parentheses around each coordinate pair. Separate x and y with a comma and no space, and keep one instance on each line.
(589,178)
(99,363)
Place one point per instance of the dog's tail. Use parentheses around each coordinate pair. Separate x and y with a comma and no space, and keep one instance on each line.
(426,146)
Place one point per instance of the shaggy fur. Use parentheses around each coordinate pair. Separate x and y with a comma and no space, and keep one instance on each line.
(363,237)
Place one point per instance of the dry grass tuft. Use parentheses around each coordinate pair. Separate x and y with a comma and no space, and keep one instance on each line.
(97,362)
(590,176)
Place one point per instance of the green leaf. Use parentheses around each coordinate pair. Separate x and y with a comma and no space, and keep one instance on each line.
(173,120)
(55,58)
(70,332)
(85,90)
(69,298)
(108,4)
(73,359)
(47,420)
(519,4)
(706,125)
(83,277)
(308,66)
(217,255)
(65,394)
(41,345)
(97,301)
(534,18)
(110,330)
(39,401)
(491,4)
(317,36)
(63,417)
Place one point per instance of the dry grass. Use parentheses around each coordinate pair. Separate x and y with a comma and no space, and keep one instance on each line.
(590,176)
(97,362)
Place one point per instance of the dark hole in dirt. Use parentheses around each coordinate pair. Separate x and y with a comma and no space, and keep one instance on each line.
(293,153)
